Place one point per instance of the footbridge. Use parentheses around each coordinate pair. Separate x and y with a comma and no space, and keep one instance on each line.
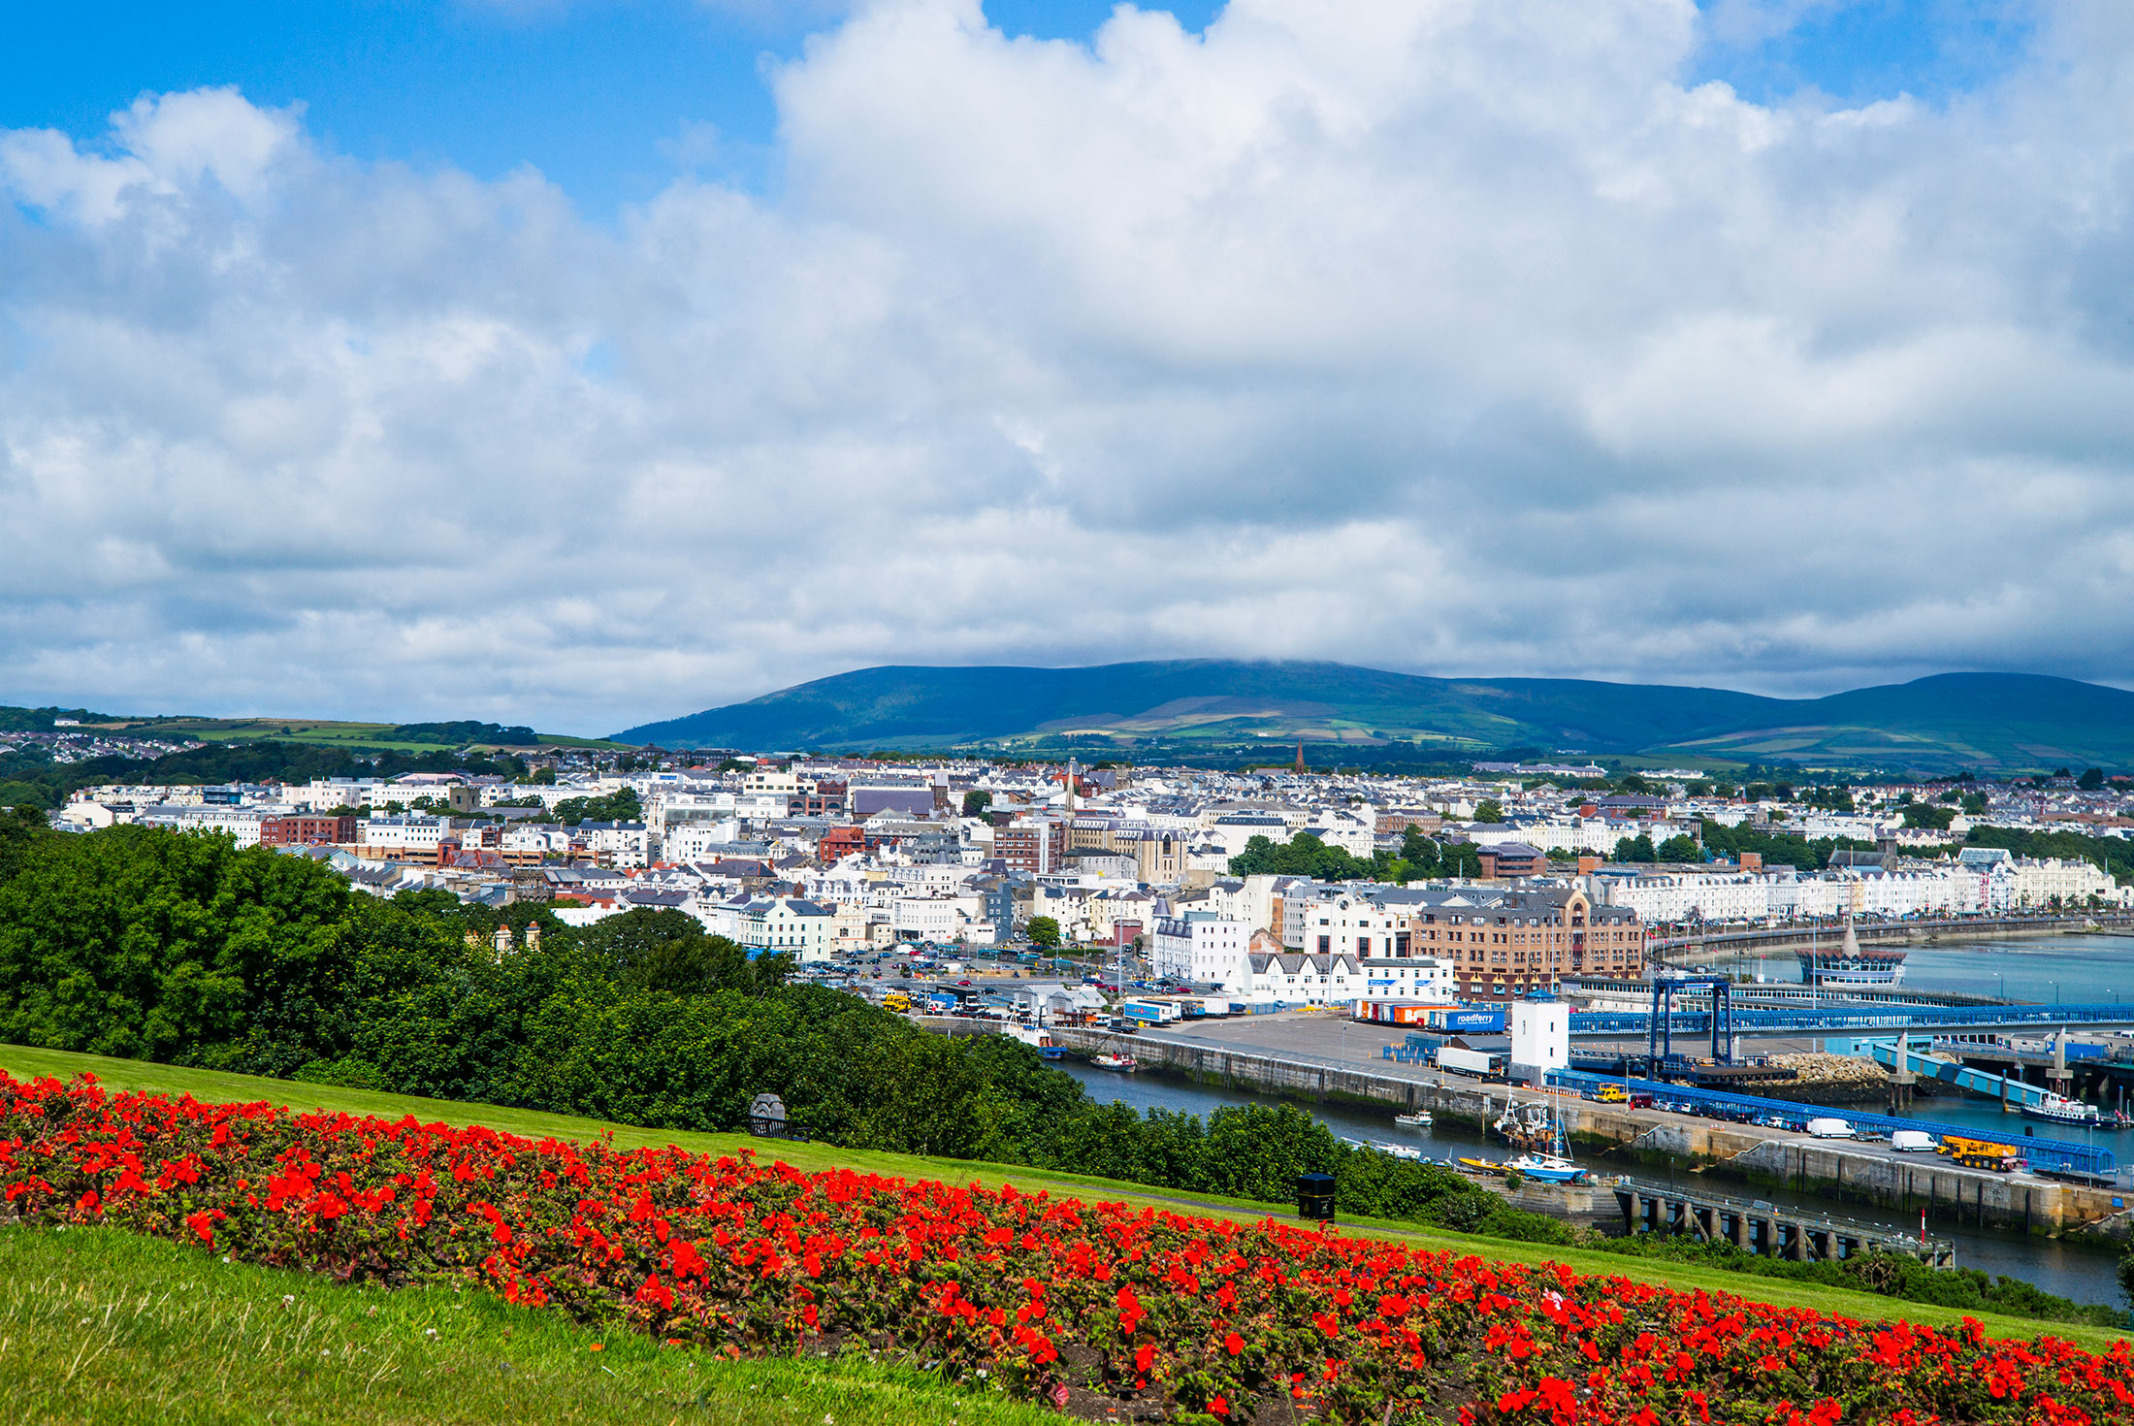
(1853,1018)
(1956,1072)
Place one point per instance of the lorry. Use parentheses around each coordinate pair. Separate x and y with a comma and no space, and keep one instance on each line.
(1479,1063)
(1980,1154)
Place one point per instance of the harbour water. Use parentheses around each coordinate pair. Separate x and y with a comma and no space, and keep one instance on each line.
(2087,968)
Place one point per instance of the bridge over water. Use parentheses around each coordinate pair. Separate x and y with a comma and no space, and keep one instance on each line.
(1853,1018)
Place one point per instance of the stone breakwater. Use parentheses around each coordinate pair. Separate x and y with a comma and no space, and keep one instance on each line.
(1831,1079)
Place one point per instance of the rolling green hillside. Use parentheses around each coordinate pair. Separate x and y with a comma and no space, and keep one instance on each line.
(1982,721)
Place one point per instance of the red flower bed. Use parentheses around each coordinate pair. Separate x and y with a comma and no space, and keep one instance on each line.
(1095,1308)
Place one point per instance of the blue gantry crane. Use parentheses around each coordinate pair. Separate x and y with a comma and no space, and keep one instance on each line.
(1660,1030)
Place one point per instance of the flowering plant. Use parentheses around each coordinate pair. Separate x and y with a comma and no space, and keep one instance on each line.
(1094,1308)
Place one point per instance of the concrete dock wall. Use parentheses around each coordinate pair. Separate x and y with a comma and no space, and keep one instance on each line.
(1858,1173)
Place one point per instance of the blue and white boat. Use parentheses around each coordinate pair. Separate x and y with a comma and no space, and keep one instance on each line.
(1547,1168)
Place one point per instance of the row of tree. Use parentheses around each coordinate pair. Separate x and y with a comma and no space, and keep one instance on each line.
(148,944)
(1306,854)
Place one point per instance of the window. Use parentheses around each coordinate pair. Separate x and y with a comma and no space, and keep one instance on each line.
(1325,942)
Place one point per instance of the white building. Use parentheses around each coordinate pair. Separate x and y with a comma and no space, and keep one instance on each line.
(1351,923)
(624,844)
(1292,978)
(697,841)
(1202,948)
(386,838)
(1541,1035)
(1426,978)
(804,930)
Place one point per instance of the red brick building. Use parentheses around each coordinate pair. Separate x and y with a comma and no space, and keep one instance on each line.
(306,831)
(1033,847)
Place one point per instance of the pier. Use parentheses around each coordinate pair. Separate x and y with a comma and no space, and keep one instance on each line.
(1760,1228)
(1861,1172)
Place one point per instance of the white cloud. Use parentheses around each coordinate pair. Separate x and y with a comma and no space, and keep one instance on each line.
(1460,336)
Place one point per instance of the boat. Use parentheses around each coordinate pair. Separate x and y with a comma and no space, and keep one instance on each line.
(1478,1166)
(1548,1168)
(1035,1038)
(1525,1126)
(1852,965)
(1400,1151)
(2073,1113)
(1125,1064)
(1419,1120)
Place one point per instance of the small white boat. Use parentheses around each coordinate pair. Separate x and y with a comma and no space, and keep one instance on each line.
(1125,1064)
(1546,1167)
(1419,1120)
(1400,1151)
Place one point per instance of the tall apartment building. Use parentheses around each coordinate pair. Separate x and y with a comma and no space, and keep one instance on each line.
(1033,846)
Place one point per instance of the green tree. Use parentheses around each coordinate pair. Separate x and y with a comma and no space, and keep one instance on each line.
(1043,931)
(977,802)
(621,805)
(146,945)
(1636,849)
(1489,810)
(1462,859)
(1420,853)
(1680,848)
(2091,779)
(1303,855)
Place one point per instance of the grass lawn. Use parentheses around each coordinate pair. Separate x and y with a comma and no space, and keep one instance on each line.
(214,1086)
(103,1326)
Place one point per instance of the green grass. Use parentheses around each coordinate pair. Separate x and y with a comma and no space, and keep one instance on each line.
(103,1326)
(212,1085)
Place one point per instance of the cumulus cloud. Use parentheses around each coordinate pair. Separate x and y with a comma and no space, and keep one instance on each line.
(1466,336)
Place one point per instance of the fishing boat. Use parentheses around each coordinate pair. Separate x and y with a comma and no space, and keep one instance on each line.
(1035,1038)
(1489,1166)
(1125,1064)
(1419,1120)
(1548,1168)
(1524,1126)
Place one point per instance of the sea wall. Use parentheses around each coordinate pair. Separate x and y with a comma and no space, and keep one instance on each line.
(1836,1169)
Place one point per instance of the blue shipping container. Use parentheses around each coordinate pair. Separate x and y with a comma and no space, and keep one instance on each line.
(1487,1022)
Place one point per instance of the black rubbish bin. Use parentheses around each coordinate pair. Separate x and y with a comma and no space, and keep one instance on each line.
(1315,1196)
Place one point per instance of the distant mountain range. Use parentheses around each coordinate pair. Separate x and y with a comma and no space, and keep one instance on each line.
(1984,721)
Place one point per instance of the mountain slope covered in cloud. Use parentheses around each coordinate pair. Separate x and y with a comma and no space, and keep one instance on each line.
(1983,721)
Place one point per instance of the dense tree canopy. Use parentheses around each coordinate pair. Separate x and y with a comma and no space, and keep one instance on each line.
(145,943)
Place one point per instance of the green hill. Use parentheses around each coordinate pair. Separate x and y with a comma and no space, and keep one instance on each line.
(1982,721)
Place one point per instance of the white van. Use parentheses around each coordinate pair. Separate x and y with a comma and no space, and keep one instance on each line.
(1829,1129)
(1913,1141)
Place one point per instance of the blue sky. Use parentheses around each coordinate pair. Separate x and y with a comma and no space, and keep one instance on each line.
(1482,336)
(611,98)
